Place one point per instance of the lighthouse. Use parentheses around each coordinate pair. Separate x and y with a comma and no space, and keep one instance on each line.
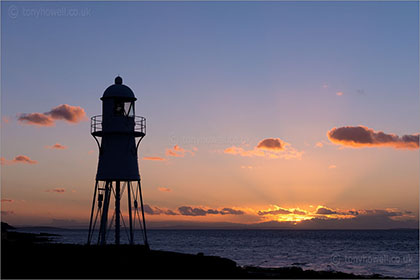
(118,132)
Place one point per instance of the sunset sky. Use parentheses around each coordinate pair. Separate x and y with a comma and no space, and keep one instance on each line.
(306,113)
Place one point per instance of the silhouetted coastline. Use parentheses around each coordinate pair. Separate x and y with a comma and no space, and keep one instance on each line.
(26,255)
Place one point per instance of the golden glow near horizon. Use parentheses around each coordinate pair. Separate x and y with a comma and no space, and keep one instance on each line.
(195,197)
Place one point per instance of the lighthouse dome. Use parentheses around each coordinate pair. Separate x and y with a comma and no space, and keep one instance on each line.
(118,90)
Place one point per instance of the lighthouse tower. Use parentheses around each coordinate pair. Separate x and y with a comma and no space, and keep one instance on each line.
(118,132)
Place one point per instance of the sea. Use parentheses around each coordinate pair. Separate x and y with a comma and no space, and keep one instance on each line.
(392,253)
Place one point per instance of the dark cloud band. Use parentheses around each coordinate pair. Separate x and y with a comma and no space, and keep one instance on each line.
(361,136)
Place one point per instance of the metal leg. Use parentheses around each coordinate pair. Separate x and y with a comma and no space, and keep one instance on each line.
(91,213)
(117,212)
(105,192)
(146,243)
(104,218)
(129,212)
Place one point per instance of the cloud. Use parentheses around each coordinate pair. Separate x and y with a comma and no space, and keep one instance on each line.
(154,158)
(57,146)
(24,159)
(230,211)
(353,212)
(7,200)
(71,114)
(332,166)
(177,151)
(299,212)
(242,152)
(157,211)
(339,93)
(3,161)
(213,211)
(271,144)
(56,190)
(18,159)
(170,212)
(361,136)
(282,211)
(5,213)
(38,119)
(320,210)
(319,145)
(149,210)
(272,148)
(325,211)
(162,189)
(190,211)
(171,153)
(279,211)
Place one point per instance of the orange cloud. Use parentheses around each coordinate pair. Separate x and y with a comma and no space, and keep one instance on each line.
(153,158)
(339,93)
(71,114)
(177,151)
(162,189)
(17,159)
(281,214)
(273,148)
(3,161)
(244,153)
(7,200)
(56,190)
(299,212)
(332,166)
(319,145)
(178,148)
(38,119)
(275,212)
(24,159)
(361,136)
(57,146)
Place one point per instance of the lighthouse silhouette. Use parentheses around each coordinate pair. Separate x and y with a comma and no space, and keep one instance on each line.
(118,132)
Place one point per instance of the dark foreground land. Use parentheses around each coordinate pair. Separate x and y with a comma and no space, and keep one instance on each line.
(31,256)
